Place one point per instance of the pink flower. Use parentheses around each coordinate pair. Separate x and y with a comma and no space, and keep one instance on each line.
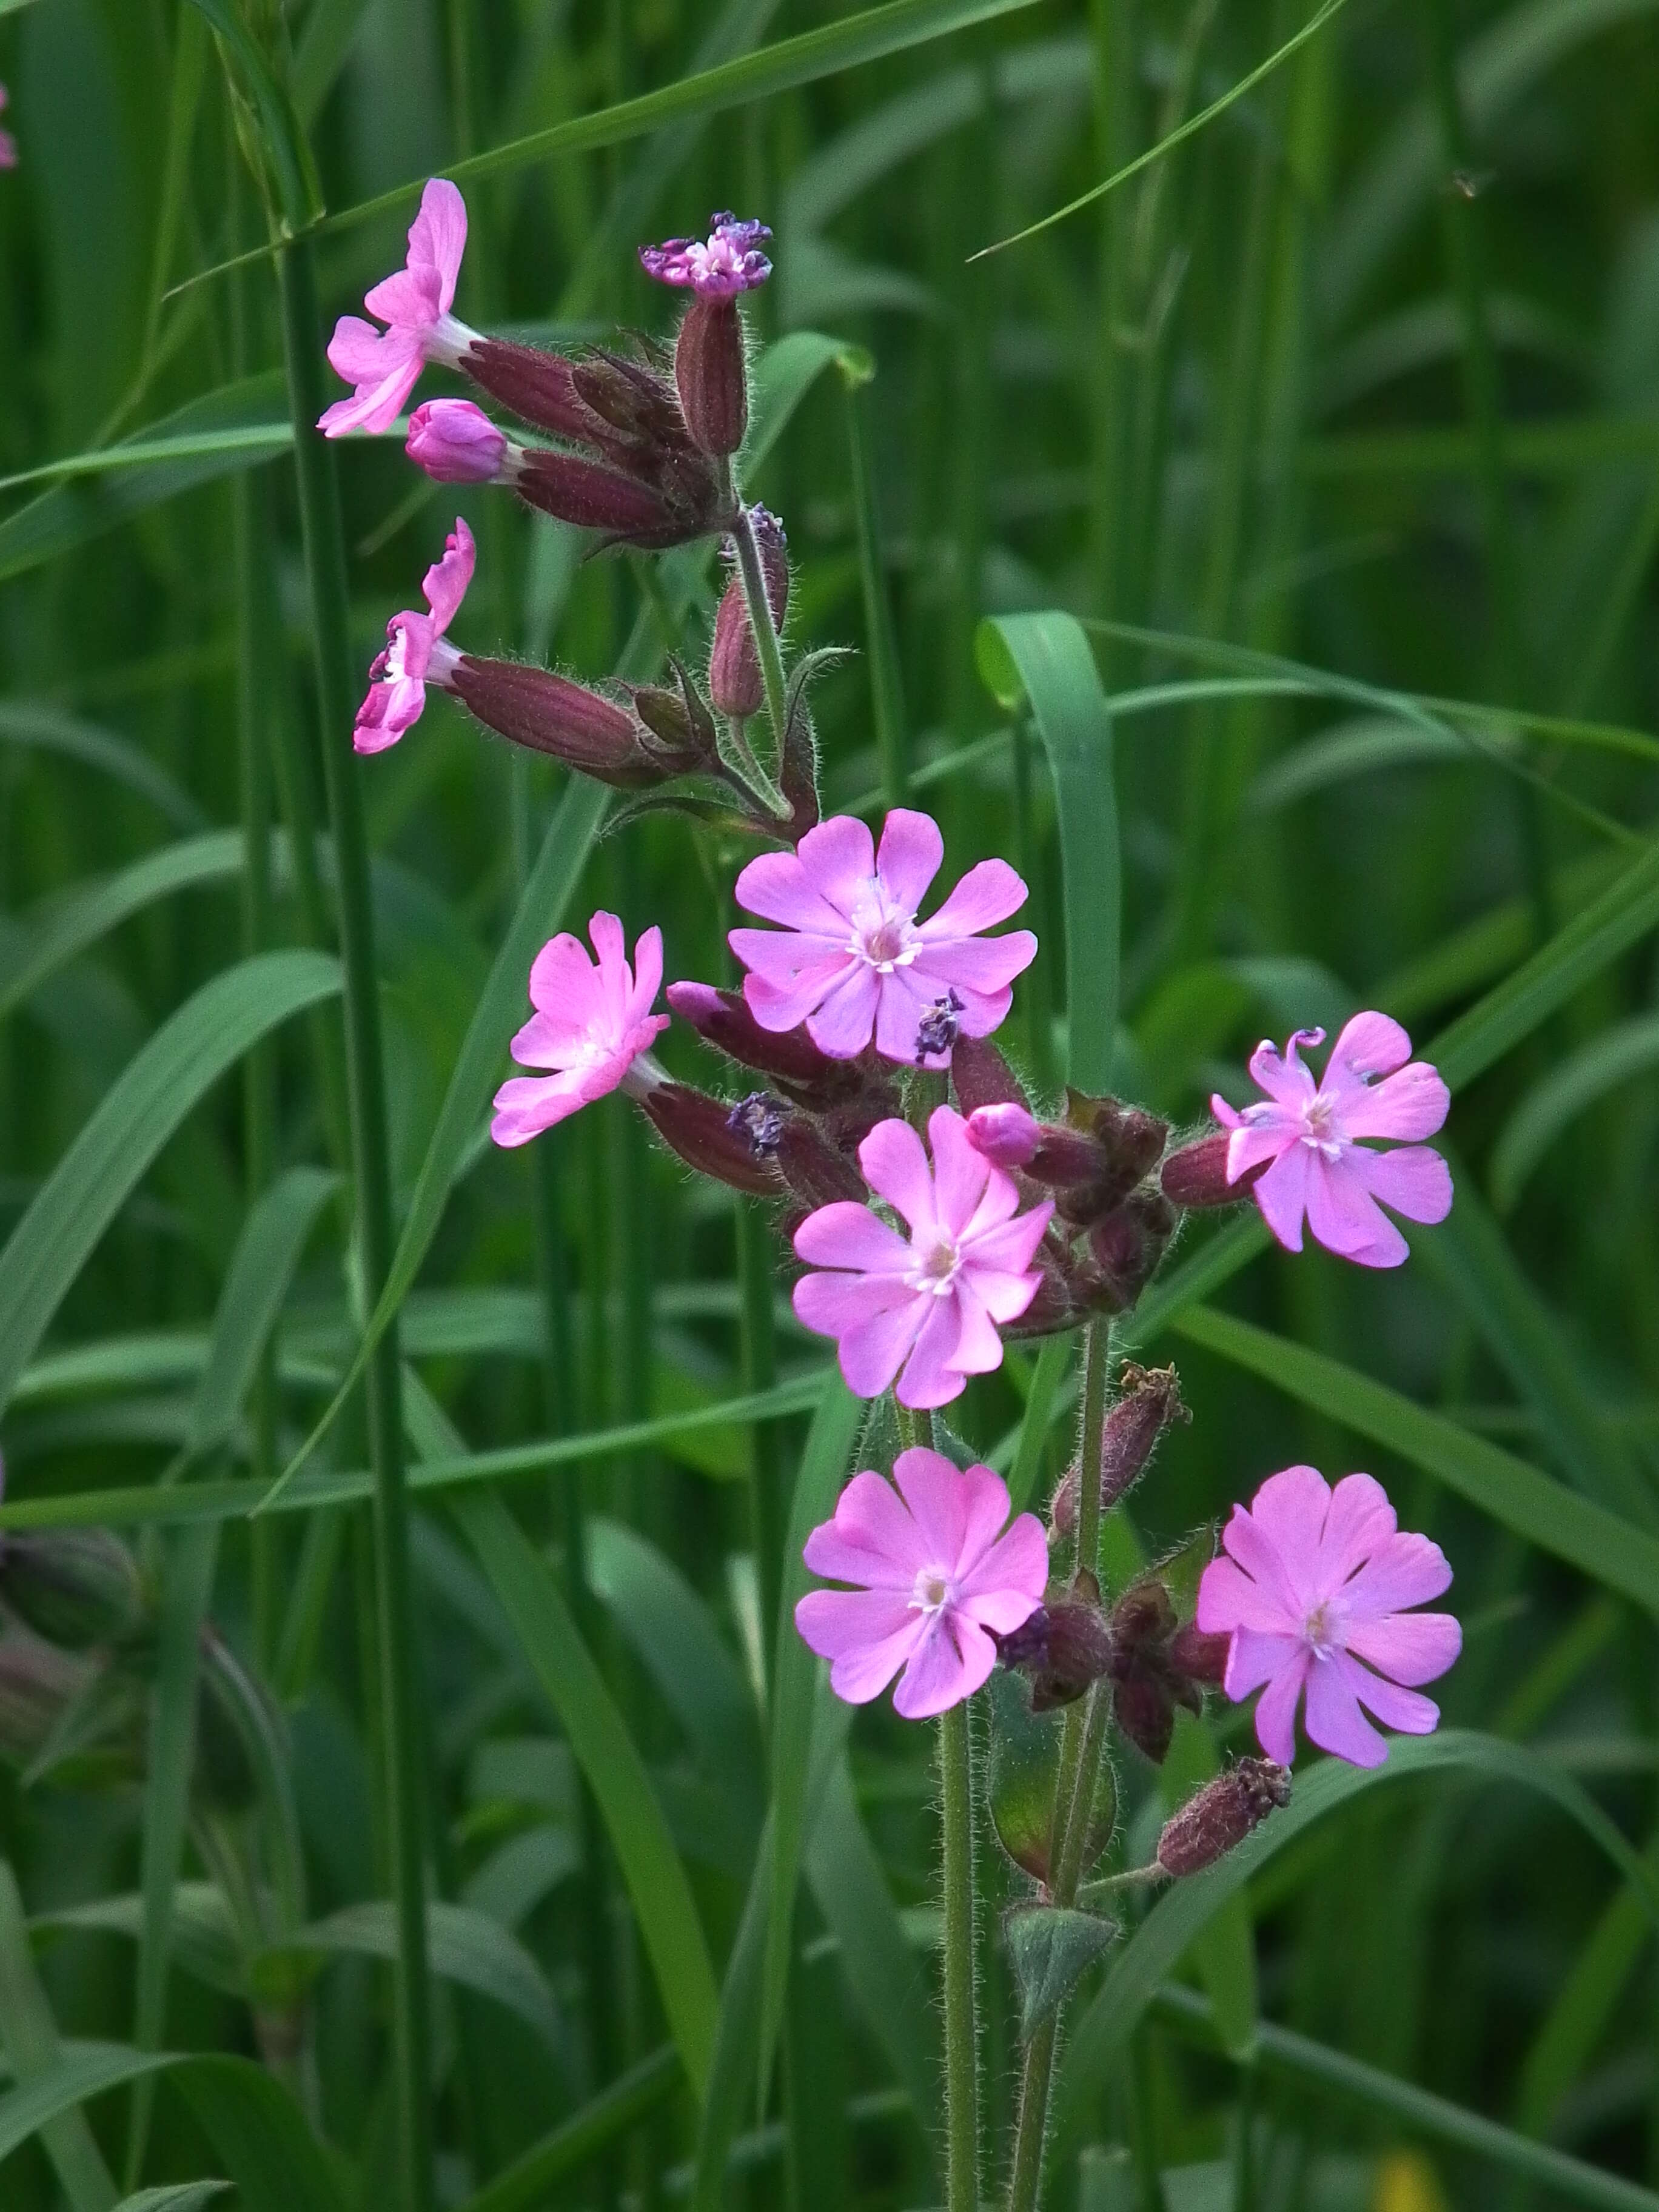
(937,1579)
(1311,1136)
(728,262)
(8,143)
(414,303)
(591,1024)
(851,957)
(455,442)
(1316,1585)
(418,653)
(930,1306)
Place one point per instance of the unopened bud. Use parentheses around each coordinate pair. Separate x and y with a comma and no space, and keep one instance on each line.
(1129,1142)
(700,1130)
(1198,1655)
(1149,1401)
(76,1587)
(735,683)
(1127,1246)
(1224,1811)
(1064,1647)
(981,1076)
(788,1056)
(539,387)
(679,729)
(455,442)
(548,713)
(1051,1154)
(711,376)
(814,1170)
(1196,1175)
(593,497)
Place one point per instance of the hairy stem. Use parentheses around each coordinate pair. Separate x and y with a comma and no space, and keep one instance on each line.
(753,577)
(325,553)
(961,2028)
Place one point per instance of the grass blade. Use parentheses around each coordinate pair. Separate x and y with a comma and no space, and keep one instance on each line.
(30,2034)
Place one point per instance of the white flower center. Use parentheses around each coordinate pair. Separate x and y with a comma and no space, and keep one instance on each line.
(397,654)
(1316,1127)
(1321,1632)
(934,1270)
(933,1591)
(883,935)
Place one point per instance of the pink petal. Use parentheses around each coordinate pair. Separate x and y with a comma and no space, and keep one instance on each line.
(960,1173)
(1333,1719)
(388,711)
(779,1009)
(408,300)
(564,982)
(847,1234)
(872,1633)
(1360,1518)
(842,1023)
(526,1105)
(837,1305)
(361,354)
(1405,1570)
(1395,1708)
(775,887)
(983,1012)
(871,1540)
(1261,1133)
(1285,1080)
(949,1665)
(985,964)
(1282,1193)
(783,957)
(895,1168)
(1013,1574)
(838,859)
(1370,1044)
(376,405)
(1228,1599)
(1004,1295)
(1408,1647)
(910,855)
(1275,1713)
(986,895)
(978,1347)
(1006,1135)
(940,1500)
(1412,1104)
(1007,1247)
(1342,1214)
(445,581)
(871,1354)
(1415,1181)
(1259,1655)
(437,237)
(905,1002)
(647,973)
(1290,1511)
(931,1376)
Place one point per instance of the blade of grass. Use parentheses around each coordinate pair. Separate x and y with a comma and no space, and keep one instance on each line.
(573,2144)
(30,2035)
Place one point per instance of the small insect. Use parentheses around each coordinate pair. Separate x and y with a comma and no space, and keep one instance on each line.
(1469,184)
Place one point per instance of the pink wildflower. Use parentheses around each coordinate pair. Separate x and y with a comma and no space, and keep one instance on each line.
(414,303)
(418,653)
(455,442)
(852,959)
(592,1026)
(728,262)
(1311,1137)
(930,1306)
(937,1579)
(8,143)
(1314,1585)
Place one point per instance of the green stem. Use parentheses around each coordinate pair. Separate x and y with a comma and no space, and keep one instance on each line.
(961,2029)
(325,553)
(1097,1359)
(753,577)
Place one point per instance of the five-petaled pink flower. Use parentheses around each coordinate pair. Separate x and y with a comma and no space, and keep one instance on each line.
(418,653)
(1315,1585)
(852,959)
(1311,1136)
(932,1305)
(8,143)
(593,1026)
(937,1579)
(728,261)
(414,303)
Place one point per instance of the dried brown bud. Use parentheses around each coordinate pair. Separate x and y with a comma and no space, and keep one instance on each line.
(1149,1400)
(700,1130)
(1224,1811)
(710,374)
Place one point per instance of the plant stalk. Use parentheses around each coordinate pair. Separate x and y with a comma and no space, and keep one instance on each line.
(961,2027)
(325,553)
(753,577)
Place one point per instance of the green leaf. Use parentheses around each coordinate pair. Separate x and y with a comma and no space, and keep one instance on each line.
(1050,1948)
(783,375)
(794,1675)
(1573,1085)
(144,1108)
(1046,661)
(656,1879)
(1584,2002)
(82,2071)
(282,135)
(23,722)
(1546,1513)
(30,2034)
(1053,1361)
(576,2142)
(174,2196)
(1024,1759)
(464,1946)
(1165,1936)
(269,1249)
(260,2135)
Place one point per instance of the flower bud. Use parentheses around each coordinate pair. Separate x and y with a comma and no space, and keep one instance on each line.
(455,442)
(1149,1400)
(1130,1141)
(735,683)
(539,387)
(1064,1647)
(788,1056)
(982,1077)
(76,1587)
(1196,1175)
(593,497)
(680,730)
(814,1171)
(1010,1137)
(1199,1657)
(548,713)
(1224,1811)
(1127,1246)
(707,1136)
